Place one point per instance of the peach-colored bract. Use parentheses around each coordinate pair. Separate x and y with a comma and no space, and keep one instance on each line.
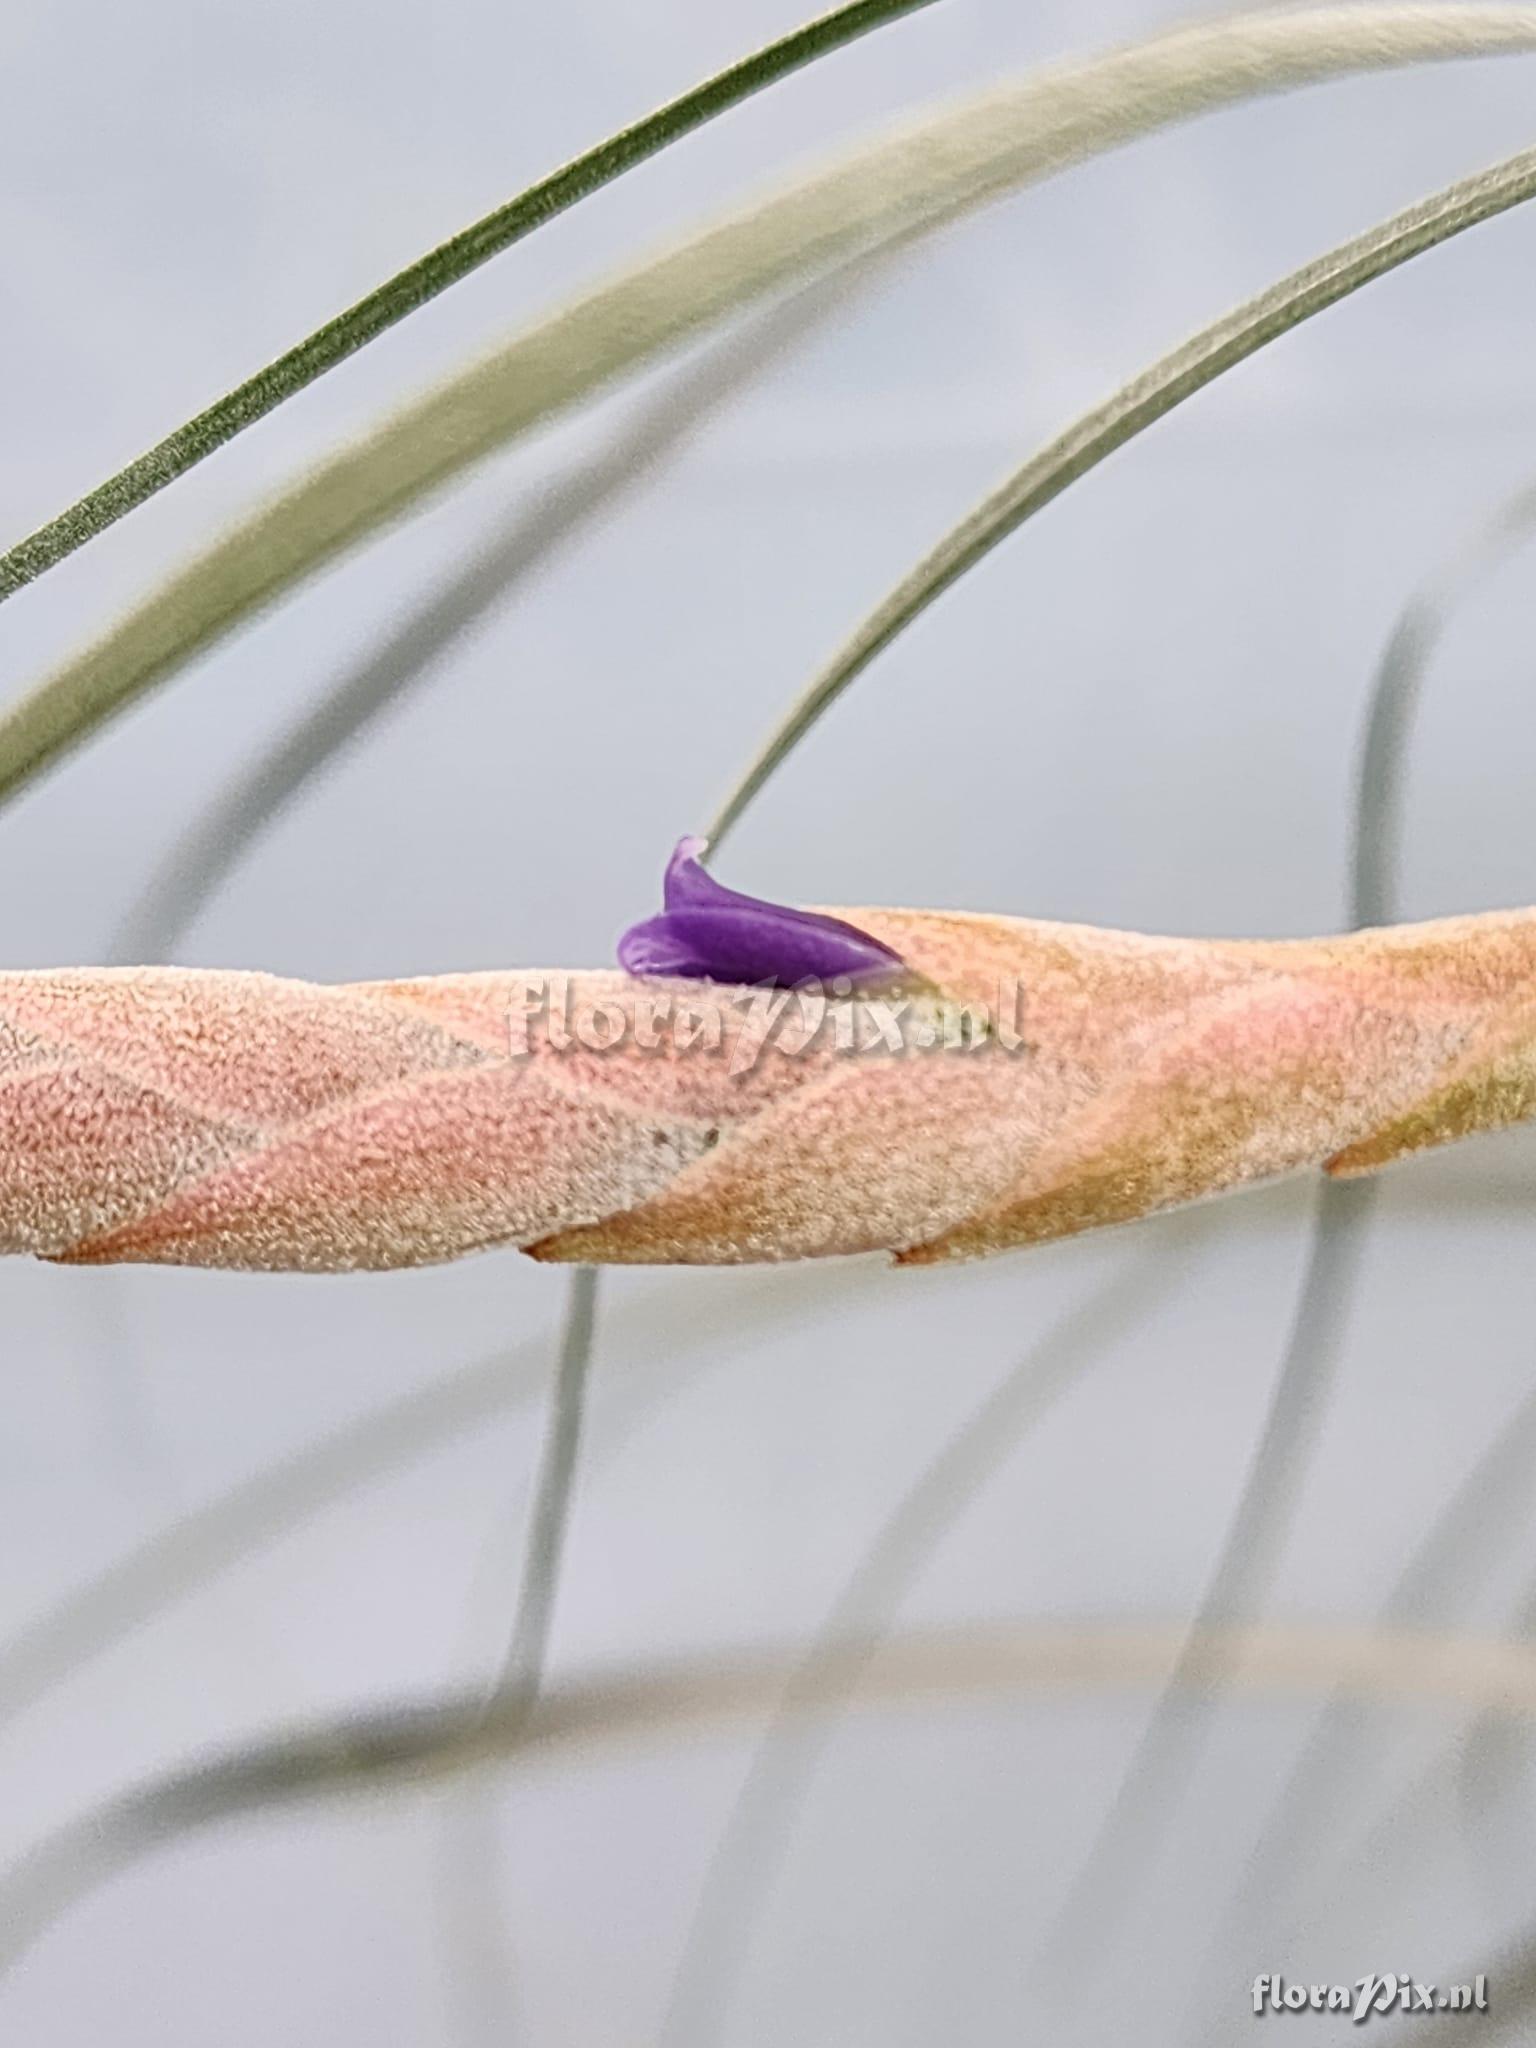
(223,1119)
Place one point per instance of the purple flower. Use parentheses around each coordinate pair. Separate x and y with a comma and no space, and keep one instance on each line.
(709,933)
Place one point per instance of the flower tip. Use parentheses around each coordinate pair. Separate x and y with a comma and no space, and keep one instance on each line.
(710,933)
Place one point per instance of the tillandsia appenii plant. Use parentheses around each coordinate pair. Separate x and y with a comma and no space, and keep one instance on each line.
(234,1119)
(224,1119)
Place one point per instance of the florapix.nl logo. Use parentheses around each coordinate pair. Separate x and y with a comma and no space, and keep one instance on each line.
(563,1013)
(1372,1996)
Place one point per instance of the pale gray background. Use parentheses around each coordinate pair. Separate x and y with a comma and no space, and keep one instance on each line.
(1142,712)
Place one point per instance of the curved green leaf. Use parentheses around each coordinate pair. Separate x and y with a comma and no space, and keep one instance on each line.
(425,279)
(223,833)
(891,190)
(1136,406)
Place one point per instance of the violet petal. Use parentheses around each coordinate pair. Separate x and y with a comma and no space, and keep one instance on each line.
(710,933)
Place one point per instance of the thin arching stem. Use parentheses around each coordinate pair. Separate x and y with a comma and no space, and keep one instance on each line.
(1174,1737)
(1486,1511)
(478,1964)
(523,1671)
(757,1833)
(1107,427)
(1315,1781)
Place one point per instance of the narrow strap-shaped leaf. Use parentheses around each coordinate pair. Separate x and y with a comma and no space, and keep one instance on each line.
(397,1747)
(223,834)
(425,279)
(1135,407)
(901,185)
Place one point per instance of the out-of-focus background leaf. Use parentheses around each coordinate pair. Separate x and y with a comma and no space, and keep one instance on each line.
(897,186)
(1143,713)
